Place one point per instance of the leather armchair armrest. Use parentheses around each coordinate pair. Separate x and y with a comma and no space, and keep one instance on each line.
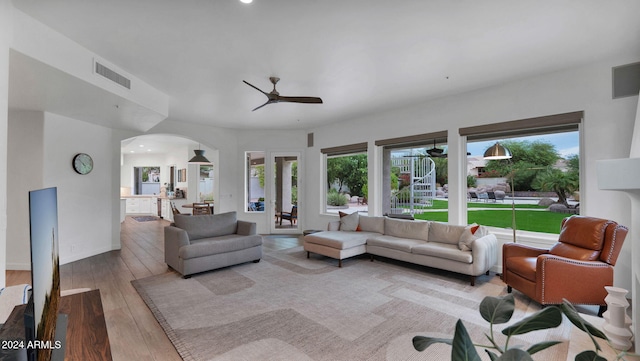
(174,238)
(521,250)
(581,282)
(246,228)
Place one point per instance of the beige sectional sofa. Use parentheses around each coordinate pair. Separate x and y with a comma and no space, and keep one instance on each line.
(469,250)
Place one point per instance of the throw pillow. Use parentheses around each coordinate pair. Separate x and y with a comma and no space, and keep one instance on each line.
(349,222)
(467,237)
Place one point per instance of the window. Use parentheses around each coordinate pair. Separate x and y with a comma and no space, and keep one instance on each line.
(536,188)
(415,177)
(254,181)
(346,179)
(146,180)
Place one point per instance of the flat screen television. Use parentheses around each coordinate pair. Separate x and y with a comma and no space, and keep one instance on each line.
(41,317)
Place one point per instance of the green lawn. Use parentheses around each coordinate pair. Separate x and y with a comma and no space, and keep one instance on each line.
(440,204)
(526,220)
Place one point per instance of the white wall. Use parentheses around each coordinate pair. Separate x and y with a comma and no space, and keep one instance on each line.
(6,34)
(88,205)
(606,133)
(25,163)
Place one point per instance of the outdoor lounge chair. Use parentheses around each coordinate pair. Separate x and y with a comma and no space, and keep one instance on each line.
(473,196)
(491,197)
(291,216)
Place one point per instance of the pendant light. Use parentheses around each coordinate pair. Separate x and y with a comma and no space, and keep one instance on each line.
(199,158)
(497,151)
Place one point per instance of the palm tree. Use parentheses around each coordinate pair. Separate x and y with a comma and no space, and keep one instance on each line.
(555,180)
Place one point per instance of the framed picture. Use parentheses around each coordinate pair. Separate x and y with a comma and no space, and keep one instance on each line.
(182,175)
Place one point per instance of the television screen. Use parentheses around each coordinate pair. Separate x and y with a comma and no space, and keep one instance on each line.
(45,271)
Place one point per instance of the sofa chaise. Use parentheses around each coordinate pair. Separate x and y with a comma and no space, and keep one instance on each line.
(469,250)
(194,244)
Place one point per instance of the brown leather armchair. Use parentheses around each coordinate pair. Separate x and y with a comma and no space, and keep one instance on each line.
(576,268)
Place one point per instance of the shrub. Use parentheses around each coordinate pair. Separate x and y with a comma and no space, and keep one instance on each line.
(471,181)
(336,199)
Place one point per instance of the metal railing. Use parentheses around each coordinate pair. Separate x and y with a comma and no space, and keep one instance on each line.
(421,191)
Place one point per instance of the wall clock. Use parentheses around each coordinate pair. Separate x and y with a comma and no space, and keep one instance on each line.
(82,163)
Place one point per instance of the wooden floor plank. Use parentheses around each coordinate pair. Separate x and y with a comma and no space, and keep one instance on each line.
(134,333)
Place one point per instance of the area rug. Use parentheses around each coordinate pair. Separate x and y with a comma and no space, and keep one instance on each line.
(288,307)
(145,218)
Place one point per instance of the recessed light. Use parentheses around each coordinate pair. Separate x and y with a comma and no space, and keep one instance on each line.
(141,146)
(131,151)
(246,1)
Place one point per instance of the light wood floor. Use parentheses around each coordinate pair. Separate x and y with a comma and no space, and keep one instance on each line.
(134,333)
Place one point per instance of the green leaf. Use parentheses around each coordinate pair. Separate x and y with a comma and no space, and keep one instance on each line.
(575,318)
(541,346)
(492,355)
(463,348)
(515,354)
(548,317)
(589,355)
(496,310)
(420,343)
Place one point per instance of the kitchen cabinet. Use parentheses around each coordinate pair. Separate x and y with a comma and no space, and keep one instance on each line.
(141,205)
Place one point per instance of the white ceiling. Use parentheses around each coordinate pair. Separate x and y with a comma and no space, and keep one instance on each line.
(359,56)
(156,144)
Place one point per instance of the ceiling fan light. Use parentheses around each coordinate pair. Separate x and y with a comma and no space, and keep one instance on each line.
(199,158)
(497,151)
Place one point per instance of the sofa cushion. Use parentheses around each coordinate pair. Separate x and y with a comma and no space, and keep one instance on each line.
(470,233)
(406,229)
(372,224)
(443,250)
(445,233)
(217,245)
(339,239)
(400,244)
(206,226)
(349,222)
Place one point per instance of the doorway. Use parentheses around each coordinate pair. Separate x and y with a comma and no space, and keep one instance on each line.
(285,190)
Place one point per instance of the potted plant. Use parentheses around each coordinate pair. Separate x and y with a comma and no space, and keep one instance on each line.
(499,310)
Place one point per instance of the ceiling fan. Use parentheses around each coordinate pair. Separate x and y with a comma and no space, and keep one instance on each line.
(436,152)
(275,97)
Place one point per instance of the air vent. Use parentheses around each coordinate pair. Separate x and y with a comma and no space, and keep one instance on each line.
(626,80)
(309,140)
(112,75)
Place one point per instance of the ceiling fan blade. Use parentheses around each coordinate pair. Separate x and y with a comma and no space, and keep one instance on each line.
(255,87)
(306,100)
(268,102)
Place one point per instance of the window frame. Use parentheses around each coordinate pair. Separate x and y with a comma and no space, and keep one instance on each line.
(339,151)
